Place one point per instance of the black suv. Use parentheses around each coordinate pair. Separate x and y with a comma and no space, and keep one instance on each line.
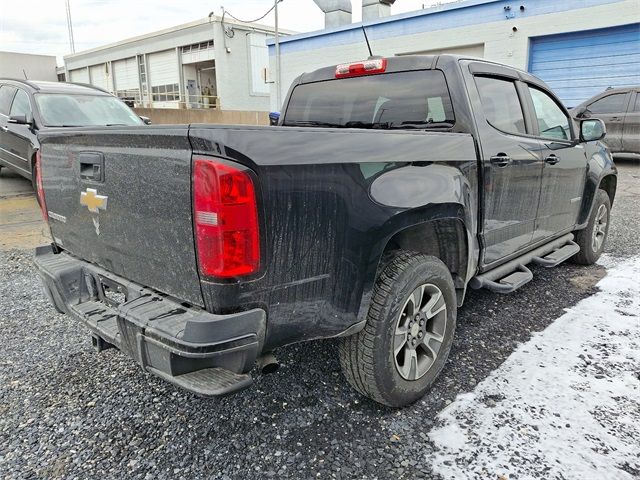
(29,107)
(619,109)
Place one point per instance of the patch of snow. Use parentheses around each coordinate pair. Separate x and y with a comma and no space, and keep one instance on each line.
(566,404)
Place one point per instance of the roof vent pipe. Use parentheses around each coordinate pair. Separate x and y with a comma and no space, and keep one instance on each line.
(336,12)
(373,9)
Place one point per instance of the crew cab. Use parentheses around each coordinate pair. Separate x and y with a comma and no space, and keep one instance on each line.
(389,187)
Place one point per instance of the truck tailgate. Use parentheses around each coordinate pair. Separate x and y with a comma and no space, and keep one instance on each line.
(122,199)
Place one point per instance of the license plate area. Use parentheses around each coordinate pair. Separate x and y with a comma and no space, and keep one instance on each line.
(111,292)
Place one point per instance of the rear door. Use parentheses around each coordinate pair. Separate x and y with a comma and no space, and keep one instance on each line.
(564,167)
(511,162)
(122,199)
(631,134)
(611,109)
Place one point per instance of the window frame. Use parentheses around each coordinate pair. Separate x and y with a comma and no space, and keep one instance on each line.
(521,101)
(28,99)
(534,117)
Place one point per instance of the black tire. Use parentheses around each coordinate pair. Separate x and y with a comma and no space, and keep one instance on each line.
(368,359)
(589,251)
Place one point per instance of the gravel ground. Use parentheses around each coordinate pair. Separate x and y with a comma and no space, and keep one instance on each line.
(68,412)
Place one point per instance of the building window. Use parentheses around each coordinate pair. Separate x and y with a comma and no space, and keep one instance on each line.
(165,93)
(197,47)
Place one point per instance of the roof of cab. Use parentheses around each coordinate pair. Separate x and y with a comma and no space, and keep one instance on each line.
(55,87)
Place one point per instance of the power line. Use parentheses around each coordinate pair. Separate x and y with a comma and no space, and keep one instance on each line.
(257,19)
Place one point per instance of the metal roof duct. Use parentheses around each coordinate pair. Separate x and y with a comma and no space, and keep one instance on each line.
(372,9)
(336,12)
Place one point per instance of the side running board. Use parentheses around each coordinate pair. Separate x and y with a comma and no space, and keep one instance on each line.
(514,274)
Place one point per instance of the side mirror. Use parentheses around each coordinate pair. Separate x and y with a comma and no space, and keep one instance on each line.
(20,120)
(592,129)
(274,118)
(145,120)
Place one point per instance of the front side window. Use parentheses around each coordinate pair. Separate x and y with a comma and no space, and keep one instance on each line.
(501,104)
(552,122)
(67,110)
(6,95)
(403,100)
(609,104)
(21,105)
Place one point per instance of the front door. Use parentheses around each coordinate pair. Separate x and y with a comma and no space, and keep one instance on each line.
(611,110)
(511,167)
(631,135)
(564,167)
(7,93)
(18,137)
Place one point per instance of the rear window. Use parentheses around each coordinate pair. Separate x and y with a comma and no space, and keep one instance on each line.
(405,100)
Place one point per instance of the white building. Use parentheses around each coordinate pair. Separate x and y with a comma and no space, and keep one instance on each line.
(34,67)
(203,64)
(579,47)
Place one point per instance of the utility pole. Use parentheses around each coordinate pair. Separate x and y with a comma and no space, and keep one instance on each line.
(278,62)
(70,28)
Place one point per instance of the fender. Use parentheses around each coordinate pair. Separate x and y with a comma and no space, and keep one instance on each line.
(424,193)
(599,165)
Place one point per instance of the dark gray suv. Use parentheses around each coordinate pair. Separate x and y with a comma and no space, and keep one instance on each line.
(28,107)
(619,109)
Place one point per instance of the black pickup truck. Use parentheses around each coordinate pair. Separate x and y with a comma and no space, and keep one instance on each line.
(388,188)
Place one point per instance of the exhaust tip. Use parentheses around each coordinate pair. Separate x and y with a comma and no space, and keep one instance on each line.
(268,364)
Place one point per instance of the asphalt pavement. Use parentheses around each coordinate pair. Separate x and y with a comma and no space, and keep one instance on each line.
(67,412)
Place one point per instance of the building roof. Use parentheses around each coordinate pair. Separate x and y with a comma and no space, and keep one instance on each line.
(450,15)
(177,28)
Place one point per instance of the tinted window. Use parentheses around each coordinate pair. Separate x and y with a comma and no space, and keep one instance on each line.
(610,104)
(6,95)
(501,104)
(61,110)
(552,122)
(21,105)
(418,99)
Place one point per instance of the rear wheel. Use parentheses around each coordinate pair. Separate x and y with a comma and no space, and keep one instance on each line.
(593,237)
(396,358)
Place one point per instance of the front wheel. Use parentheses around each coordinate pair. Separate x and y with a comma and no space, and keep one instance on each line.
(592,239)
(405,343)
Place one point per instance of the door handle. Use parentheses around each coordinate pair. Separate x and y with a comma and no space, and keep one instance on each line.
(552,159)
(501,160)
(5,128)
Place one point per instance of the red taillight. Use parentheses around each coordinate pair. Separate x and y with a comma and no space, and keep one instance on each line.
(226,219)
(40,192)
(368,67)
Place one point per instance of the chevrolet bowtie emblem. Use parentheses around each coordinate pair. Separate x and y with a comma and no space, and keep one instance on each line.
(93,201)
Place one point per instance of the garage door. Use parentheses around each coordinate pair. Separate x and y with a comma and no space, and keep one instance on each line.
(99,76)
(80,75)
(164,77)
(125,74)
(580,65)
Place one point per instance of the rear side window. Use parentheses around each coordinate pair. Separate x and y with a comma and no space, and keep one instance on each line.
(6,95)
(501,104)
(21,105)
(609,104)
(552,122)
(417,99)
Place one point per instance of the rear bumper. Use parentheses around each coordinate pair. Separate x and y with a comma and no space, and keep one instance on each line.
(196,350)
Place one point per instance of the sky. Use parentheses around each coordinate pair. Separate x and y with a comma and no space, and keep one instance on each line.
(98,22)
